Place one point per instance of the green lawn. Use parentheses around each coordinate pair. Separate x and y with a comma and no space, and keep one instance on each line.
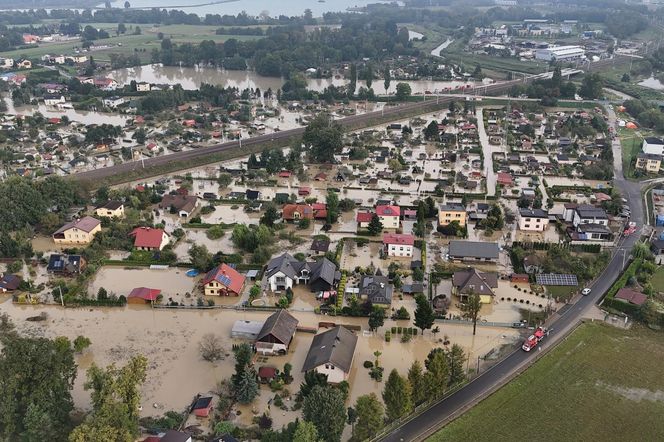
(657,280)
(601,384)
(562,293)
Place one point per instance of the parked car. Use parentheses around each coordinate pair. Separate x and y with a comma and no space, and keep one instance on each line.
(586,291)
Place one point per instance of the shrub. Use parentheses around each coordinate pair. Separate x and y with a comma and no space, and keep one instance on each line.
(406,337)
(81,343)
(394,330)
(368,364)
(210,347)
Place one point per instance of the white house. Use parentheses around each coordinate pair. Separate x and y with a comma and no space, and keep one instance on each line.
(331,353)
(57,59)
(6,63)
(397,244)
(533,220)
(389,216)
(143,87)
(54,99)
(587,214)
(653,145)
(114,101)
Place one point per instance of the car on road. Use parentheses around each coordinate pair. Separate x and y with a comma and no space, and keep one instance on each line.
(586,291)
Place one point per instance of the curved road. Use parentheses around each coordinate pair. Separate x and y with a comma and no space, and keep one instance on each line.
(435,417)
(100,174)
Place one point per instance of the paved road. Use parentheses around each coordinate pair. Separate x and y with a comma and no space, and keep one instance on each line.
(425,424)
(349,122)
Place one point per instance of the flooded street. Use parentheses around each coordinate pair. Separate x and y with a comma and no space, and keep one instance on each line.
(80,116)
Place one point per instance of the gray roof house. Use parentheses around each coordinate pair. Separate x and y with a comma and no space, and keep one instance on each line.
(474,251)
(332,353)
(278,328)
(285,271)
(470,281)
(377,289)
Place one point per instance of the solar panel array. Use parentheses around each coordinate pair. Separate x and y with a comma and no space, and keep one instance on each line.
(225,280)
(560,279)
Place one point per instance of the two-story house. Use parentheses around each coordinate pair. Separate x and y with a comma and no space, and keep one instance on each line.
(223,280)
(331,353)
(533,220)
(79,231)
(452,212)
(389,216)
(398,244)
(112,209)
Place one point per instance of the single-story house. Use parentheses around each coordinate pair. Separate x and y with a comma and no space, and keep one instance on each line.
(267,374)
(183,205)
(175,436)
(296,212)
(278,331)
(319,246)
(331,353)
(223,280)
(363,219)
(246,329)
(9,282)
(474,250)
(141,295)
(631,296)
(202,406)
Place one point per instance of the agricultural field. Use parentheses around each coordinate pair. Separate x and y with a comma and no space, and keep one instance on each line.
(602,383)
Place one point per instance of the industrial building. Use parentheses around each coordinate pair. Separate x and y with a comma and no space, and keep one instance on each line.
(560,53)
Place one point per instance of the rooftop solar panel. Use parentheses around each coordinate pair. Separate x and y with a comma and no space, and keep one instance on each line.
(556,279)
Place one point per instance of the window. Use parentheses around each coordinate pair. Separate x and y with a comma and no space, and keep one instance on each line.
(527,226)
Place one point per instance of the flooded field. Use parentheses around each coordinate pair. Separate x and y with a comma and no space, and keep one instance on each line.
(85,117)
(176,372)
(192,78)
(121,280)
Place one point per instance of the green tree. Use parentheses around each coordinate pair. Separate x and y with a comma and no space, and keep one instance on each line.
(243,354)
(36,379)
(641,250)
(375,226)
(115,402)
(424,314)
(387,76)
(200,258)
(311,380)
(324,407)
(246,389)
(305,432)
(81,343)
(323,137)
(270,215)
(456,358)
(416,381)
(437,375)
(376,318)
(332,203)
(370,415)
(591,86)
(368,75)
(403,91)
(431,132)
(471,308)
(397,396)
(352,84)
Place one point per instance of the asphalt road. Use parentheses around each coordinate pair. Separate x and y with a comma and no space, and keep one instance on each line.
(352,121)
(428,422)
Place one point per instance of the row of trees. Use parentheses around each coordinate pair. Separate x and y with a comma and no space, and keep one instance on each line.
(40,410)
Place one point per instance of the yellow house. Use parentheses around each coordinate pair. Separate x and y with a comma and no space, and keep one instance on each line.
(452,212)
(649,162)
(79,231)
(112,209)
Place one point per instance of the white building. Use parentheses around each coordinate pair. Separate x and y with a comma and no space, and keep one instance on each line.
(653,145)
(6,63)
(389,216)
(143,87)
(533,220)
(585,214)
(113,102)
(54,100)
(331,353)
(560,53)
(397,244)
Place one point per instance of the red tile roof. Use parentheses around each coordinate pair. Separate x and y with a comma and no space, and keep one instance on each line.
(144,293)
(285,174)
(289,211)
(226,276)
(364,217)
(398,238)
(504,178)
(388,211)
(631,296)
(147,237)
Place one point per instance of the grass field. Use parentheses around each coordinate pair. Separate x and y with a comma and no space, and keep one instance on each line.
(657,280)
(562,293)
(601,384)
(141,45)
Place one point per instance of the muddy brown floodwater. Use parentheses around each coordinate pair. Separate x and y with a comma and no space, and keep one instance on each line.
(169,340)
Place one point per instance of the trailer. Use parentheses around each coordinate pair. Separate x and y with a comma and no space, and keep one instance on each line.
(534,339)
